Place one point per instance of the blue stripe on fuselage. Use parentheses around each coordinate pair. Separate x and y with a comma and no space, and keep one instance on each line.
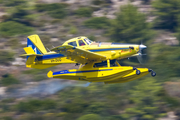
(122,44)
(67,72)
(98,50)
(31,44)
(50,56)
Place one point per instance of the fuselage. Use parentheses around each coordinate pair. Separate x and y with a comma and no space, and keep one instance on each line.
(110,50)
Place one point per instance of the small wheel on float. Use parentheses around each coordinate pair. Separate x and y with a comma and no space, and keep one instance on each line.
(153,74)
(138,72)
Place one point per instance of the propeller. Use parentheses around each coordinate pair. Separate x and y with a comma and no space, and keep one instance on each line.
(140,57)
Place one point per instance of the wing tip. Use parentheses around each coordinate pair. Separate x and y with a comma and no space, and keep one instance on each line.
(50,74)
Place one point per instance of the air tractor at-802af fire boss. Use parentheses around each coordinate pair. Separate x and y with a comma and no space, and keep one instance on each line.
(97,60)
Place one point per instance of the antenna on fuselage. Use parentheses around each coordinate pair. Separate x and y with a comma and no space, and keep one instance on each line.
(48,49)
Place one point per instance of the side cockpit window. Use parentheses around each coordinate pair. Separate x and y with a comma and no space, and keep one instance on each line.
(72,43)
(81,43)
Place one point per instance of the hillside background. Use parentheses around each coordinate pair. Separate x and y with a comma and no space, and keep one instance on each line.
(27,94)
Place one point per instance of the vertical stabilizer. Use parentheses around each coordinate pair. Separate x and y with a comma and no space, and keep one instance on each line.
(35,43)
(36,56)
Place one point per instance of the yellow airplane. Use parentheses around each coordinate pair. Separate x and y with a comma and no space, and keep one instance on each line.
(97,60)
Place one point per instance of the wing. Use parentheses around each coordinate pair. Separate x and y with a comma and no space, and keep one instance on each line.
(79,55)
(30,55)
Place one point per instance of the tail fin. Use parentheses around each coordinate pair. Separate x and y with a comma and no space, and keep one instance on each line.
(34,48)
(35,43)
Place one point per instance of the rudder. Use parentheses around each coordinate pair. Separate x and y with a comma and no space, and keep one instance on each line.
(36,44)
(35,51)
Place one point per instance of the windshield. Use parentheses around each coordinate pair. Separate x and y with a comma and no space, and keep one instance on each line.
(88,41)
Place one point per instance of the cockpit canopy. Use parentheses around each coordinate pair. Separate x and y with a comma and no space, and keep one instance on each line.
(79,41)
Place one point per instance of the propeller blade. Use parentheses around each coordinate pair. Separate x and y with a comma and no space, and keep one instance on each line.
(141,59)
(140,56)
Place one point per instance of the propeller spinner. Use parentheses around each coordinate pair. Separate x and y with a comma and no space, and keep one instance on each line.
(140,56)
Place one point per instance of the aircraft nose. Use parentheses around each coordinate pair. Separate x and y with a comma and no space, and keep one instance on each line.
(142,46)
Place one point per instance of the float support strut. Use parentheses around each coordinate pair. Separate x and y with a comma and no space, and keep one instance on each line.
(108,63)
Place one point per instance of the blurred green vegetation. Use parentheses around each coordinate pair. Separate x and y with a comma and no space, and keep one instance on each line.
(84,11)
(55,10)
(92,37)
(37,74)
(130,26)
(90,117)
(6,57)
(177,34)
(19,11)
(97,2)
(165,60)
(21,15)
(73,30)
(143,99)
(35,105)
(97,22)
(12,28)
(13,43)
(167,14)
(146,100)
(8,79)
(12,2)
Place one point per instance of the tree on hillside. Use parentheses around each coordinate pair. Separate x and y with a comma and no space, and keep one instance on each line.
(97,22)
(55,10)
(167,12)
(8,79)
(130,26)
(146,100)
(11,28)
(6,56)
(11,3)
(178,29)
(165,60)
(19,11)
(90,117)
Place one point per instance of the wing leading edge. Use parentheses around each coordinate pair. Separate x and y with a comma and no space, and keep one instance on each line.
(79,55)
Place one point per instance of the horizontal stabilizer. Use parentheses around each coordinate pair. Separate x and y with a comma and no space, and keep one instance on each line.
(31,55)
(30,52)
